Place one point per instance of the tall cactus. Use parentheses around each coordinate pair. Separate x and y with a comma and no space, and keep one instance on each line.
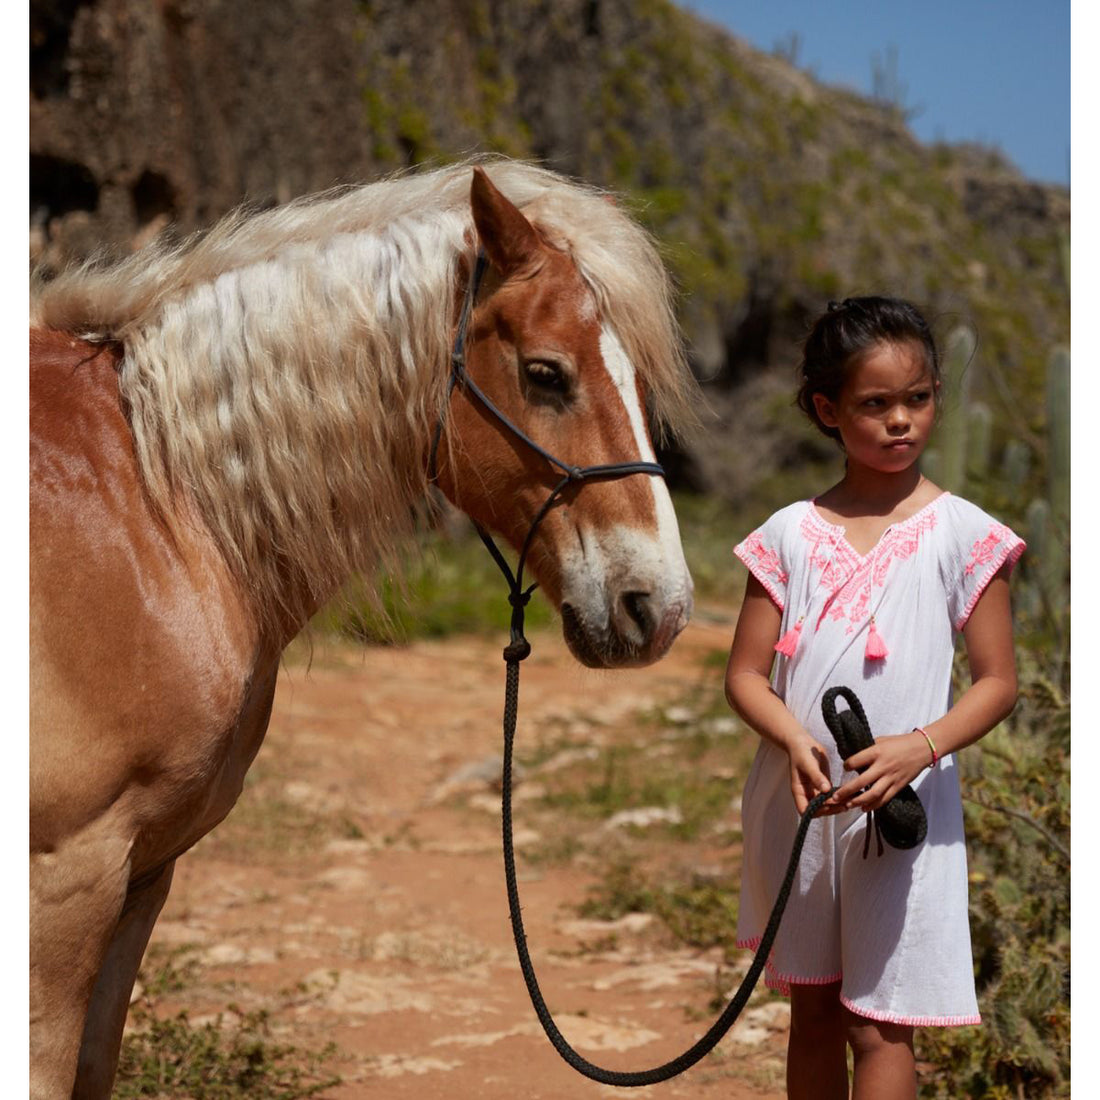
(1034,596)
(1048,517)
(979,440)
(1015,466)
(1054,565)
(951,459)
(1058,435)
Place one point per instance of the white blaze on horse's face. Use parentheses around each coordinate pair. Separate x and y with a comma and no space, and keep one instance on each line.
(626,591)
(607,552)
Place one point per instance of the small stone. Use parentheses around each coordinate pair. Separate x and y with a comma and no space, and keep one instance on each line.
(758,1024)
(644,816)
(631,923)
(723,726)
(679,716)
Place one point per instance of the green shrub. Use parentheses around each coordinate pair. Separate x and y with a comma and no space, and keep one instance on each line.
(700,912)
(215,1061)
(1016,804)
(448,585)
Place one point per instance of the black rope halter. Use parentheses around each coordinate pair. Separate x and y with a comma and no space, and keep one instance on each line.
(516,651)
(518,597)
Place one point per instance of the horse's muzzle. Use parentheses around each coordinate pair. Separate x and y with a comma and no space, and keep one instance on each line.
(638,631)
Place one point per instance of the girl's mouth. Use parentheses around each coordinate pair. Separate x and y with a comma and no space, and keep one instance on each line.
(900,444)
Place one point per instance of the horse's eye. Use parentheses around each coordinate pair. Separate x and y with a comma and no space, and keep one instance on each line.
(545,374)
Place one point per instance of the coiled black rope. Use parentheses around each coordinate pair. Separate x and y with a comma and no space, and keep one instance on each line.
(624,1078)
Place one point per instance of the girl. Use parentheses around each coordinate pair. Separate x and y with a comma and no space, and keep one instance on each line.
(865,586)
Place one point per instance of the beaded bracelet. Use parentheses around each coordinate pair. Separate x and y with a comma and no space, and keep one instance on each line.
(931,746)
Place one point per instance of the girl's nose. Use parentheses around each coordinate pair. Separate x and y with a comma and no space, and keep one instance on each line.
(898,417)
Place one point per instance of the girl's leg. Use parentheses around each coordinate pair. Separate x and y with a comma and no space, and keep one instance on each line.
(817,1067)
(884,1065)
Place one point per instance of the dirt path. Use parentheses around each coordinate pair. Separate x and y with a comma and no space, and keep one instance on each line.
(356,893)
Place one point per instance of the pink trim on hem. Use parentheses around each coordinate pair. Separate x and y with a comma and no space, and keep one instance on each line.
(781,983)
(1009,552)
(757,571)
(911,1021)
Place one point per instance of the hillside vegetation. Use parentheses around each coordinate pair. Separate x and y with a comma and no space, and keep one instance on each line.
(770,191)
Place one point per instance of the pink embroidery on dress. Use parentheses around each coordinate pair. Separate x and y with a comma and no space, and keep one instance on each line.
(984,550)
(768,559)
(844,573)
(835,559)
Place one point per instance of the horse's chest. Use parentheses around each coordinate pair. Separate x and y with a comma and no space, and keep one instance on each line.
(230,755)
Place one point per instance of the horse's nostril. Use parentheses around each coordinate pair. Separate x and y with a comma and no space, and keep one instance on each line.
(636,605)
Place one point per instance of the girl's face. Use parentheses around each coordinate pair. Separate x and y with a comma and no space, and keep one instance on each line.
(885,410)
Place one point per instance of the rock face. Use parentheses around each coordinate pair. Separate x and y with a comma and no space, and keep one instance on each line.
(143,113)
(771,192)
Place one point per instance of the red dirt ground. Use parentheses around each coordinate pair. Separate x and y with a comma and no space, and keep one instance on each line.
(357,891)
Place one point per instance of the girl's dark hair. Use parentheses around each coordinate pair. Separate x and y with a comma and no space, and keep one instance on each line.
(848,329)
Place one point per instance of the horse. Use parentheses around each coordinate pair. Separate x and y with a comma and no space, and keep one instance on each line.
(223,431)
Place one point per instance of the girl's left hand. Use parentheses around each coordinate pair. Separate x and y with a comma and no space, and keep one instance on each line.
(891,762)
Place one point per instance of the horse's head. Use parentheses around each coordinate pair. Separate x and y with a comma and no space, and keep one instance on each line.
(608,552)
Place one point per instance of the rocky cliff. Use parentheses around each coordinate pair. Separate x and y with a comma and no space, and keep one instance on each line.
(770,191)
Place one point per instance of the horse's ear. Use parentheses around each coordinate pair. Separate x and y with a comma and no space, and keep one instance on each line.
(507,236)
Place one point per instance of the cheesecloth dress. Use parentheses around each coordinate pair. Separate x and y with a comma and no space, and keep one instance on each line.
(893,929)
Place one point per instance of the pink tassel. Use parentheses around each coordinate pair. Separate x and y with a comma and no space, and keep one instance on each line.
(876,648)
(789,642)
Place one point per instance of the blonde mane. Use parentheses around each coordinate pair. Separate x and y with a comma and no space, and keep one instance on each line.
(285,370)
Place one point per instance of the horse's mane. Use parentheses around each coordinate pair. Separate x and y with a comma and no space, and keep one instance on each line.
(285,368)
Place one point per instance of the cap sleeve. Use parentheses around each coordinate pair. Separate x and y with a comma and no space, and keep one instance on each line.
(981,546)
(764,553)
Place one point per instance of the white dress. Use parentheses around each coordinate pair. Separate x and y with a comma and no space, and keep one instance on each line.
(892,928)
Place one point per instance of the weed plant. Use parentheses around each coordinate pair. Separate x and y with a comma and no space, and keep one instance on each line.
(174,1058)
(698,911)
(170,1057)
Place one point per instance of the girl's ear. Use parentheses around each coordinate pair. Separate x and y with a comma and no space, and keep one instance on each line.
(826,413)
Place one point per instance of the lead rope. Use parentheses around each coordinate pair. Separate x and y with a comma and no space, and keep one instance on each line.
(516,651)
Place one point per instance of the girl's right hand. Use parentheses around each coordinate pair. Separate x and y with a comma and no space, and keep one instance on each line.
(809,771)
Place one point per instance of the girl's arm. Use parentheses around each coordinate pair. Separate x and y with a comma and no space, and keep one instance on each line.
(893,762)
(750,694)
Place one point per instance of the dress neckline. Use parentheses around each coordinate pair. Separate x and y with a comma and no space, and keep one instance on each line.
(842,532)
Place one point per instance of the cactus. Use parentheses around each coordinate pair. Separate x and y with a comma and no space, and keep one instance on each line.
(979,440)
(1038,544)
(1048,517)
(1058,435)
(1015,466)
(953,419)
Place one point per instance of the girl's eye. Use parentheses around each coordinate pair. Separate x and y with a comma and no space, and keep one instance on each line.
(922,397)
(873,402)
(545,374)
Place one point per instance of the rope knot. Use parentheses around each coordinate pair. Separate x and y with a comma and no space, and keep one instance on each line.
(518,650)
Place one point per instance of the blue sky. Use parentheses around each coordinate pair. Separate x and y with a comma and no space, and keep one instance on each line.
(995,71)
